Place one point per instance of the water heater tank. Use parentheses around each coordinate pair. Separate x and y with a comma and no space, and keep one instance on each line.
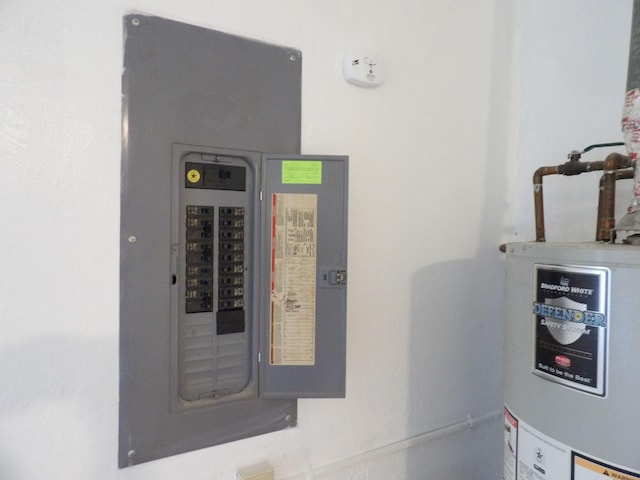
(572,362)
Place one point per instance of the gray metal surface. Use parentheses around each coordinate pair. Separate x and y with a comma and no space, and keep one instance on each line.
(603,427)
(186,85)
(326,378)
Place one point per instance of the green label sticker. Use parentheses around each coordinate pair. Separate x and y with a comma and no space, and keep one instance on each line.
(302,172)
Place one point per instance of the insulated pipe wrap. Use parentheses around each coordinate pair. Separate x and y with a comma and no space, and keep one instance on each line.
(633,72)
(631,114)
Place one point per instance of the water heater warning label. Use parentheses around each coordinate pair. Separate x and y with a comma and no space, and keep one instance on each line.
(585,468)
(570,312)
(541,457)
(530,454)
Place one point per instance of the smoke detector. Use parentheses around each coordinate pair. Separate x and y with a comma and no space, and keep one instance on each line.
(364,68)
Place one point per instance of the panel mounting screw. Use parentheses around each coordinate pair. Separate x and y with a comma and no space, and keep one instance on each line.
(131,453)
(292,57)
(287,418)
(135,22)
(132,239)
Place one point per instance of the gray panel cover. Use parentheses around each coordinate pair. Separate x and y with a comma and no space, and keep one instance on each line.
(326,376)
(186,85)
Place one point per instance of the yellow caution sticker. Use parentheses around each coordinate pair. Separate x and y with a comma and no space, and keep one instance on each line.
(587,468)
(193,175)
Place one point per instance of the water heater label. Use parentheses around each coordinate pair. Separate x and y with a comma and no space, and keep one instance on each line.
(586,468)
(571,322)
(510,464)
(530,454)
(541,457)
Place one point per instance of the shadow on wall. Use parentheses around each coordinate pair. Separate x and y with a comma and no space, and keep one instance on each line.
(456,335)
(456,365)
(472,455)
(56,392)
(456,342)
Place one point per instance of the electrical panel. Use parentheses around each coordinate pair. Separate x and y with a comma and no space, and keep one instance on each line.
(233,265)
(213,227)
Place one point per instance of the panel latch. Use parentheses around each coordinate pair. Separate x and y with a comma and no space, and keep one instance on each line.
(337,277)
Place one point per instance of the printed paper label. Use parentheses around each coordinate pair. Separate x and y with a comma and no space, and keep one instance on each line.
(293,279)
(539,456)
(510,446)
(531,455)
(585,468)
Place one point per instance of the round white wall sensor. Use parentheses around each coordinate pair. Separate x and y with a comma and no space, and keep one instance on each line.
(364,68)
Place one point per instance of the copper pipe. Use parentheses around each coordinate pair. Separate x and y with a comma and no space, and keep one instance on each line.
(616,167)
(613,162)
(538,200)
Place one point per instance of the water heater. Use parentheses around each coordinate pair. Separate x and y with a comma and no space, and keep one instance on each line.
(571,361)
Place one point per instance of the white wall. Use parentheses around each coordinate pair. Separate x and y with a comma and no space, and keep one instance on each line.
(573,72)
(431,160)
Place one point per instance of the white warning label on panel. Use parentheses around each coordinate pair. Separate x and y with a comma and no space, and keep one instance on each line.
(293,279)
